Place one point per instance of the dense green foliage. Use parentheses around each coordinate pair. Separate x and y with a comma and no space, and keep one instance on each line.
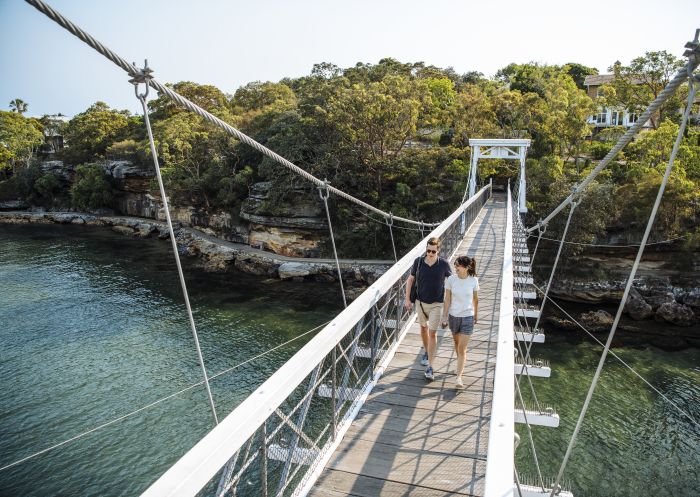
(91,188)
(395,135)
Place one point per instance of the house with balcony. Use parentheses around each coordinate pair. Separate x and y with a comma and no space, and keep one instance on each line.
(607,116)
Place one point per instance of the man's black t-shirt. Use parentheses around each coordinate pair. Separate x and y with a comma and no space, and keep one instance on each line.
(431,279)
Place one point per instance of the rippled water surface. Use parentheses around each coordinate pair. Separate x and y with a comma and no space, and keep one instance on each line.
(92,327)
(632,443)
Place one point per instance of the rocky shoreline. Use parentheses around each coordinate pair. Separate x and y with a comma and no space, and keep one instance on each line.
(653,300)
(215,254)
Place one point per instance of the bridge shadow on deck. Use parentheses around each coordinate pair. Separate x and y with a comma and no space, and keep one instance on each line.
(419,438)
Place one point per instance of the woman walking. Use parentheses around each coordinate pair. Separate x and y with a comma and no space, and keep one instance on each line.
(461,309)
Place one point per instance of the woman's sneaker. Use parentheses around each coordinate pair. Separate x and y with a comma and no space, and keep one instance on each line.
(429,374)
(459,385)
(424,359)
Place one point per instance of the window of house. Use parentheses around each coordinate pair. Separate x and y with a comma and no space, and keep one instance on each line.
(602,117)
(633,117)
(617,117)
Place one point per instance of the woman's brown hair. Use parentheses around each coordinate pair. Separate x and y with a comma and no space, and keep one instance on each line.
(467,262)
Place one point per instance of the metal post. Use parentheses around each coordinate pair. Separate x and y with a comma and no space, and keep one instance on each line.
(263,459)
(522,204)
(335,391)
(472,178)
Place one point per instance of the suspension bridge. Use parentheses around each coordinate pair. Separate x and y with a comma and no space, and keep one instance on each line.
(351,413)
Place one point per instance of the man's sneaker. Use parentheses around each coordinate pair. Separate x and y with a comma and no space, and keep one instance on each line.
(429,374)
(424,359)
(459,385)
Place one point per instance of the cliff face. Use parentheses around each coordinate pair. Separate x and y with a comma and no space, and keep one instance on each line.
(295,229)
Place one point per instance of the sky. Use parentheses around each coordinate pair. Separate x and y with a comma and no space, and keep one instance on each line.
(231,43)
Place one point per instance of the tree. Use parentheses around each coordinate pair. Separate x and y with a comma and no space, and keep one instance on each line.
(473,115)
(91,188)
(637,85)
(208,97)
(18,105)
(19,139)
(578,73)
(190,151)
(90,133)
(374,122)
(257,104)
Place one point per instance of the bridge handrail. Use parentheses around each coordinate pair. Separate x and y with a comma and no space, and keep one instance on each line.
(499,481)
(255,417)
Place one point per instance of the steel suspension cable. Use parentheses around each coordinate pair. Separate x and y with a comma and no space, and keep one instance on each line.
(540,232)
(390,223)
(633,272)
(551,277)
(693,54)
(142,98)
(324,194)
(133,71)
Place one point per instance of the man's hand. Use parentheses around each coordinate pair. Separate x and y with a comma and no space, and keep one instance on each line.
(407,304)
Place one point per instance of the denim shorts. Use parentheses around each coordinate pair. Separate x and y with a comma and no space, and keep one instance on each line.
(463,325)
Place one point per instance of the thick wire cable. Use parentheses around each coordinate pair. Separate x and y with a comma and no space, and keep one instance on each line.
(630,280)
(159,401)
(666,93)
(390,224)
(133,71)
(528,347)
(176,253)
(324,194)
(662,242)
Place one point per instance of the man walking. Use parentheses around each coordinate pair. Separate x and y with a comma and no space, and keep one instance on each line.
(429,273)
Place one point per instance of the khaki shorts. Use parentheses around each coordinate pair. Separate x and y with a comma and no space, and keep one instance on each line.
(433,312)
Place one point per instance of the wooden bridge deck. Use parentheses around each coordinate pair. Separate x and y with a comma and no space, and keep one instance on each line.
(419,438)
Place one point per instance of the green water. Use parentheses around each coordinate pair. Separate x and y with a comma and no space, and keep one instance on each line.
(92,327)
(632,442)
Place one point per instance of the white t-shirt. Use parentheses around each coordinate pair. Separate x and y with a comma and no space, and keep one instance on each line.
(462,291)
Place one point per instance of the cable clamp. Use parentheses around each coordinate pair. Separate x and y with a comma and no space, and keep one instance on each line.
(541,227)
(693,46)
(143,76)
(390,220)
(323,191)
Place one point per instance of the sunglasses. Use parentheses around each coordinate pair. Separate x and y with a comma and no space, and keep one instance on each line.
(431,251)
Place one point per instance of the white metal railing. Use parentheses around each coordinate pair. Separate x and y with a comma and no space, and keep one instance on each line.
(501,449)
(277,440)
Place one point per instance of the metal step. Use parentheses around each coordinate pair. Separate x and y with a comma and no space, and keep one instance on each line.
(524,293)
(543,371)
(532,491)
(299,456)
(344,394)
(535,418)
(521,258)
(525,312)
(366,352)
(523,280)
(525,336)
(522,269)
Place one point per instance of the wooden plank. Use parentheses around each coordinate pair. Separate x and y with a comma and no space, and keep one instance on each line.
(443,472)
(466,440)
(334,483)
(409,376)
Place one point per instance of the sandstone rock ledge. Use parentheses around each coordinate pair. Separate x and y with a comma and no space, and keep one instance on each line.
(215,255)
